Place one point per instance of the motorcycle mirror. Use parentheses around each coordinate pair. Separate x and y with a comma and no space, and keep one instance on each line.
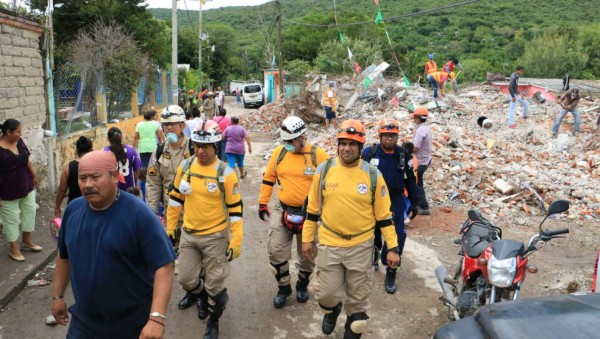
(456,241)
(474,215)
(558,206)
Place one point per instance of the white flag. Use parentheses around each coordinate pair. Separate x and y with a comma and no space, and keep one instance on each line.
(349,53)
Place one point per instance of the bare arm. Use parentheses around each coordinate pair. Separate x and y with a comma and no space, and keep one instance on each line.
(61,281)
(161,136)
(61,192)
(33,176)
(163,282)
(247,138)
(136,140)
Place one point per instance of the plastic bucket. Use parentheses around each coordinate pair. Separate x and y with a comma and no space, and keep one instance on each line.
(539,97)
(485,123)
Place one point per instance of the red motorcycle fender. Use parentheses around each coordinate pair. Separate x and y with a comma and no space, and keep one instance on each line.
(521,270)
(470,265)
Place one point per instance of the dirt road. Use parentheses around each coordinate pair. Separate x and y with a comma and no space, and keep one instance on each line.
(413,312)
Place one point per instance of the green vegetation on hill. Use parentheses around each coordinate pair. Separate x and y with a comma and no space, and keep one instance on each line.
(549,37)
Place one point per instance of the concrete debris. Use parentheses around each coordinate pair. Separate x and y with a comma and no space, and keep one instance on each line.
(483,165)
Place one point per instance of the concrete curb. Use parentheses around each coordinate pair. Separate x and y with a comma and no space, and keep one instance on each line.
(14,287)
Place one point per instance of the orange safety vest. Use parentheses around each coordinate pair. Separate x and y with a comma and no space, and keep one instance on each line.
(430,67)
(450,66)
(327,101)
(439,77)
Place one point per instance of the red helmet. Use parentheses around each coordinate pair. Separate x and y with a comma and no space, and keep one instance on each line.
(352,129)
(389,125)
(192,91)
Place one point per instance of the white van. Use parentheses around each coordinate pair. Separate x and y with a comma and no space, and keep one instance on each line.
(253,95)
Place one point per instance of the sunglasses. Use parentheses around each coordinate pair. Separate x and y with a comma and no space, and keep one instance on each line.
(351,130)
(290,141)
(283,127)
(166,115)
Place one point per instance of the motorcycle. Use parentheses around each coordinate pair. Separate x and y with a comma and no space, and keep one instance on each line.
(491,268)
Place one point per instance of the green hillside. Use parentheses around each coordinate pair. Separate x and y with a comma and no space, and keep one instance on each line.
(485,35)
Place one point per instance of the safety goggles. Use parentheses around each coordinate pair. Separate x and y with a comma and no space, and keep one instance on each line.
(351,130)
(284,128)
(167,115)
(389,126)
(290,141)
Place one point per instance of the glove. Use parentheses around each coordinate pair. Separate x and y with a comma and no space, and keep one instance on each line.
(414,211)
(171,234)
(263,210)
(233,253)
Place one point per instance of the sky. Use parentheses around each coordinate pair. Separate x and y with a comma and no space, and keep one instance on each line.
(194,4)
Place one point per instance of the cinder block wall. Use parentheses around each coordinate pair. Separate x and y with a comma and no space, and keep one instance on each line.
(22,86)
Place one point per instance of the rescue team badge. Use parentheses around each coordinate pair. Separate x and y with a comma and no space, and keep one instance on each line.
(383,191)
(152,171)
(236,188)
(362,189)
(212,187)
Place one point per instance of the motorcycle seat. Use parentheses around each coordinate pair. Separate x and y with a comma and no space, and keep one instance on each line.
(476,239)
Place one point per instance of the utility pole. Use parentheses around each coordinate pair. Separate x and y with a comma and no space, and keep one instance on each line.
(200,46)
(279,46)
(174,77)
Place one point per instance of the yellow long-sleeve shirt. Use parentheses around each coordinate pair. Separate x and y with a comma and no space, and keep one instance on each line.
(204,212)
(293,175)
(347,207)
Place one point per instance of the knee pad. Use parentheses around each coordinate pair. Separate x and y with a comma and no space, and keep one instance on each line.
(357,322)
(276,270)
(335,309)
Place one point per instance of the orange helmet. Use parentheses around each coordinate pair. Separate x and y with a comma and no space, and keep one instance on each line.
(191,91)
(420,112)
(389,125)
(352,129)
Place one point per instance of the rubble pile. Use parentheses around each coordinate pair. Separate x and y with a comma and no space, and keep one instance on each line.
(477,160)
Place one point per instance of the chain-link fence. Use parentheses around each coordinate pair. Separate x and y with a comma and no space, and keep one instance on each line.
(74,100)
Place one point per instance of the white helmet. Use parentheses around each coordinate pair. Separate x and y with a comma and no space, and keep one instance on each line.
(291,128)
(208,132)
(172,113)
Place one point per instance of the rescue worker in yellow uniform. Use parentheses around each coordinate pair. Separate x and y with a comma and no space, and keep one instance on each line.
(330,105)
(291,166)
(350,198)
(212,224)
(162,168)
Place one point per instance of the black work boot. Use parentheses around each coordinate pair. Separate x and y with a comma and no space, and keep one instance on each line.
(390,280)
(216,306)
(330,319)
(302,287)
(188,300)
(284,292)
(212,329)
(355,322)
(203,305)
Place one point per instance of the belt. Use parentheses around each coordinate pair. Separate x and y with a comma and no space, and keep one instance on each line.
(345,236)
(192,232)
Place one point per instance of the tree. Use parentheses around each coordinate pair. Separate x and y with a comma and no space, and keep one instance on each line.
(108,53)
(152,35)
(553,56)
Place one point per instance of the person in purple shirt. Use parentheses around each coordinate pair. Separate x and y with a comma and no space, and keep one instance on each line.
(235,150)
(17,194)
(422,141)
(128,158)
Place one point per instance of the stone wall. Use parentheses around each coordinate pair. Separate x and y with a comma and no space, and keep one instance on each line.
(22,86)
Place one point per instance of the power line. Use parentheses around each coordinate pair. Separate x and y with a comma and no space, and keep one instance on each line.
(392,18)
(190,19)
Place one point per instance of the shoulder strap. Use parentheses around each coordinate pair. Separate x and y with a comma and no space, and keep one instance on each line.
(322,183)
(371,154)
(401,157)
(159,150)
(190,146)
(220,178)
(280,157)
(313,155)
(373,177)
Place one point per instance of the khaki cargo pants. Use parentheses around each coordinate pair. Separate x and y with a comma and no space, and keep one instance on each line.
(280,248)
(203,254)
(345,272)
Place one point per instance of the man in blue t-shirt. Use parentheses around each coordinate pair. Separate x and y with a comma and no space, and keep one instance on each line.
(117,256)
(395,164)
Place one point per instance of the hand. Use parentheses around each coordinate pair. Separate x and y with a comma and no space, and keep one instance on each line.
(413,212)
(307,250)
(57,211)
(59,311)
(393,259)
(514,99)
(171,234)
(153,330)
(263,210)
(233,252)
(250,150)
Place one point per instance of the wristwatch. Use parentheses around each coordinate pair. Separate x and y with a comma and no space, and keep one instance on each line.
(158,315)
(395,250)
